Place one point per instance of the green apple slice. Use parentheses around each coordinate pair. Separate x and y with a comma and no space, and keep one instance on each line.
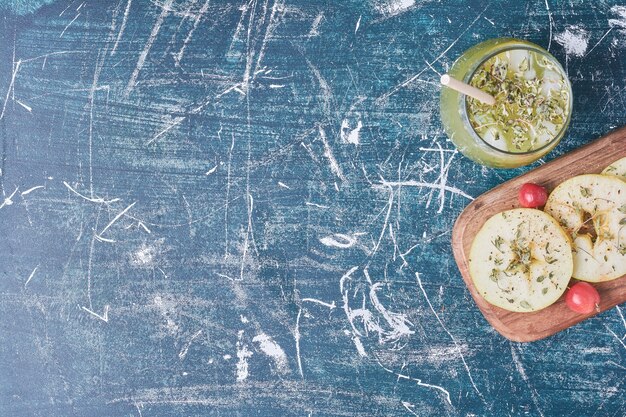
(592,209)
(617,168)
(521,260)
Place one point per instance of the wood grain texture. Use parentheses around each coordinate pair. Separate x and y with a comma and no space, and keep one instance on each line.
(527,327)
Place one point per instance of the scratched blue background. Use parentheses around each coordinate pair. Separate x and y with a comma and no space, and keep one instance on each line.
(235,208)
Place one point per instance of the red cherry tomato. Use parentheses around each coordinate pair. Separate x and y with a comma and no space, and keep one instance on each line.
(582,298)
(532,195)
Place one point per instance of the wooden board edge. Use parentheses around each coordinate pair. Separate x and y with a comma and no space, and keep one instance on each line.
(487,309)
(470,211)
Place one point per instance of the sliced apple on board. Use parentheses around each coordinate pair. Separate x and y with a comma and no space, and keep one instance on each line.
(617,168)
(592,209)
(521,260)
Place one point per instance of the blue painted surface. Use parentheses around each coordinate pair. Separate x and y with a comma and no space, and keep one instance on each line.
(208,172)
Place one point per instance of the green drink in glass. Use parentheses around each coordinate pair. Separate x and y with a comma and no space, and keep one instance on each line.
(532,110)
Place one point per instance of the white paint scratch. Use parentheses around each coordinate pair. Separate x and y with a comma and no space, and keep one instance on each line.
(27,107)
(359,346)
(245,83)
(173,122)
(616,336)
(415,77)
(32,274)
(389,206)
(68,25)
(619,311)
(144,227)
(620,22)
(458,346)
(92,245)
(441,354)
(598,43)
(226,276)
(270,28)
(308,203)
(11,86)
(393,7)
(167,308)
(350,135)
(243,354)
(328,153)
(248,236)
(551,22)
(522,372)
(409,407)
(93,200)
(315,26)
(417,381)
(575,40)
(66,9)
(228,90)
(327,93)
(205,7)
(227,197)
(183,352)
(396,325)
(274,351)
(320,302)
(145,256)
(104,317)
(144,53)
(30,190)
(8,201)
(419,184)
(344,292)
(116,218)
(122,27)
(597,350)
(92,95)
(429,65)
(296,337)
(339,240)
(443,177)
(138,406)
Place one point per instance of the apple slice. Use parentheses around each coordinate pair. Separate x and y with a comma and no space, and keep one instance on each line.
(592,209)
(617,168)
(521,260)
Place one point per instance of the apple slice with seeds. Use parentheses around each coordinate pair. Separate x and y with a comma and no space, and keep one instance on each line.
(617,168)
(521,260)
(592,209)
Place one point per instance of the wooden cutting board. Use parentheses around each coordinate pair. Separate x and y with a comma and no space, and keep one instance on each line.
(526,327)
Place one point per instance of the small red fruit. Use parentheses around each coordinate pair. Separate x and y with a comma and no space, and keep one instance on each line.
(532,195)
(583,298)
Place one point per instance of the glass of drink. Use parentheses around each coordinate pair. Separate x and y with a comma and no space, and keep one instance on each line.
(532,110)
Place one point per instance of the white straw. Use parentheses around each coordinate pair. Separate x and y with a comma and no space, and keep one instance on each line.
(467,89)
